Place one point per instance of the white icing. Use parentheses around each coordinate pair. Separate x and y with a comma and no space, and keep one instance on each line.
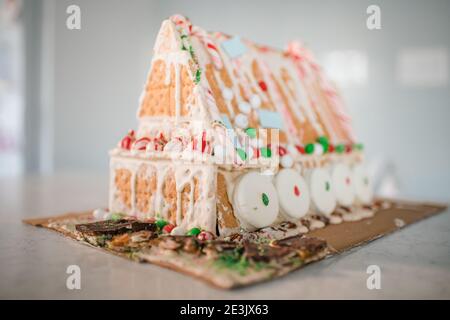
(293,193)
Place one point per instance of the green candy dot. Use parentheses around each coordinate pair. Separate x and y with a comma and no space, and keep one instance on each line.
(241,154)
(327,186)
(358,146)
(251,132)
(160,223)
(198,75)
(193,232)
(339,148)
(266,152)
(309,148)
(265,199)
(322,140)
(117,216)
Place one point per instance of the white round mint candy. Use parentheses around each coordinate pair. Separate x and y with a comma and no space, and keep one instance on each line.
(255,200)
(321,190)
(318,149)
(178,231)
(293,193)
(343,185)
(227,94)
(241,121)
(244,107)
(98,214)
(255,101)
(362,184)
(286,161)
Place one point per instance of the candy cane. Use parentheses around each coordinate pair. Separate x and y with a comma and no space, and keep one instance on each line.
(182,22)
(210,46)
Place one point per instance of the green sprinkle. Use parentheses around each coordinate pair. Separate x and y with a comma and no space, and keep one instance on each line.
(183,47)
(193,232)
(340,148)
(265,199)
(183,36)
(116,216)
(327,186)
(161,223)
(198,75)
(358,146)
(266,152)
(309,148)
(322,140)
(251,132)
(241,154)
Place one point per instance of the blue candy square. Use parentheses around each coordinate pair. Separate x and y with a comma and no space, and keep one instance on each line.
(234,47)
(270,119)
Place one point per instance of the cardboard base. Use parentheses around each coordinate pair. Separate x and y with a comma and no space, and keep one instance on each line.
(339,238)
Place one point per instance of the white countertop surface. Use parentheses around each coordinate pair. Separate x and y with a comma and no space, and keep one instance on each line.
(414,262)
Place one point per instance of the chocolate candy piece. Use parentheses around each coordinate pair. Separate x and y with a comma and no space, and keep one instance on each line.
(265,253)
(308,245)
(110,227)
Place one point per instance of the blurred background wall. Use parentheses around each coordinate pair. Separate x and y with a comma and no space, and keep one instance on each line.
(80,88)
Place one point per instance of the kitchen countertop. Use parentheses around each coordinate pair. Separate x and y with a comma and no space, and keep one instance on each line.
(414,262)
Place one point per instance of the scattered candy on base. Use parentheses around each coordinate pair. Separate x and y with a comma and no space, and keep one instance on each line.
(205,235)
(168,228)
(161,223)
(193,232)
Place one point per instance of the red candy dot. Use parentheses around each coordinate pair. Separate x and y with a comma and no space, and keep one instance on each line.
(300,149)
(263,86)
(348,148)
(296,191)
(330,148)
(256,153)
(347,181)
(281,151)
(168,228)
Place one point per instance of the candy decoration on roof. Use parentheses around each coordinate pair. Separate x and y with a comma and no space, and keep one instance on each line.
(128,140)
(210,46)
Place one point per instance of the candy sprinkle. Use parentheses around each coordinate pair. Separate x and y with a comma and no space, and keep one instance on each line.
(241,154)
(251,132)
(266,152)
(296,191)
(193,232)
(309,148)
(265,199)
(327,186)
(161,223)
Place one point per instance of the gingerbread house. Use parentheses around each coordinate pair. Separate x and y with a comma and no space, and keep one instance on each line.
(235,136)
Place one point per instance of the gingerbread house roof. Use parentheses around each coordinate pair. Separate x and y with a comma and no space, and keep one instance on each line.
(242,84)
